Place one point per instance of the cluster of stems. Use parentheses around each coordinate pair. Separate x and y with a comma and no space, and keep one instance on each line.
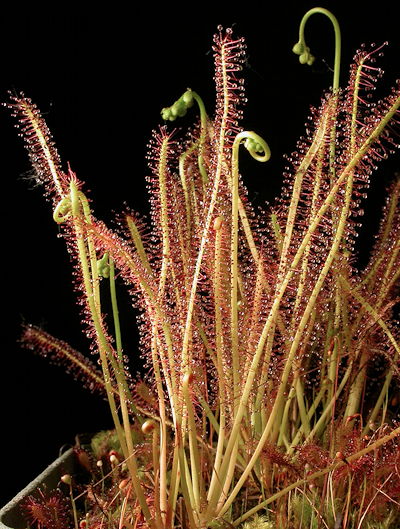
(260,339)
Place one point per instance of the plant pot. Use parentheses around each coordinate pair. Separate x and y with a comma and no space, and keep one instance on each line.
(10,515)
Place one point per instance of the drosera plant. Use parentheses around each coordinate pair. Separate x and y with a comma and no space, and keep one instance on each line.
(273,361)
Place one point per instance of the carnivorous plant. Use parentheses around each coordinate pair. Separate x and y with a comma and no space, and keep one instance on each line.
(272,360)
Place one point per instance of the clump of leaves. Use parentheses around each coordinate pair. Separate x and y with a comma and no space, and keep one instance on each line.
(258,522)
(260,334)
(48,510)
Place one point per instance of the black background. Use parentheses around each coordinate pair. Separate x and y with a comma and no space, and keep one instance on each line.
(101,78)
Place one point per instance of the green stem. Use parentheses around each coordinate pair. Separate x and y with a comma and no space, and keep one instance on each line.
(90,280)
(260,151)
(163,427)
(179,109)
(137,240)
(203,135)
(193,448)
(218,297)
(114,304)
(300,48)
(73,505)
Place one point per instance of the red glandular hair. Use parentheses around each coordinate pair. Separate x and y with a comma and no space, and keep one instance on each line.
(39,143)
(62,354)
(229,56)
(48,510)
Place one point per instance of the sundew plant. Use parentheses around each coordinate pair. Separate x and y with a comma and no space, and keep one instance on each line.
(272,360)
